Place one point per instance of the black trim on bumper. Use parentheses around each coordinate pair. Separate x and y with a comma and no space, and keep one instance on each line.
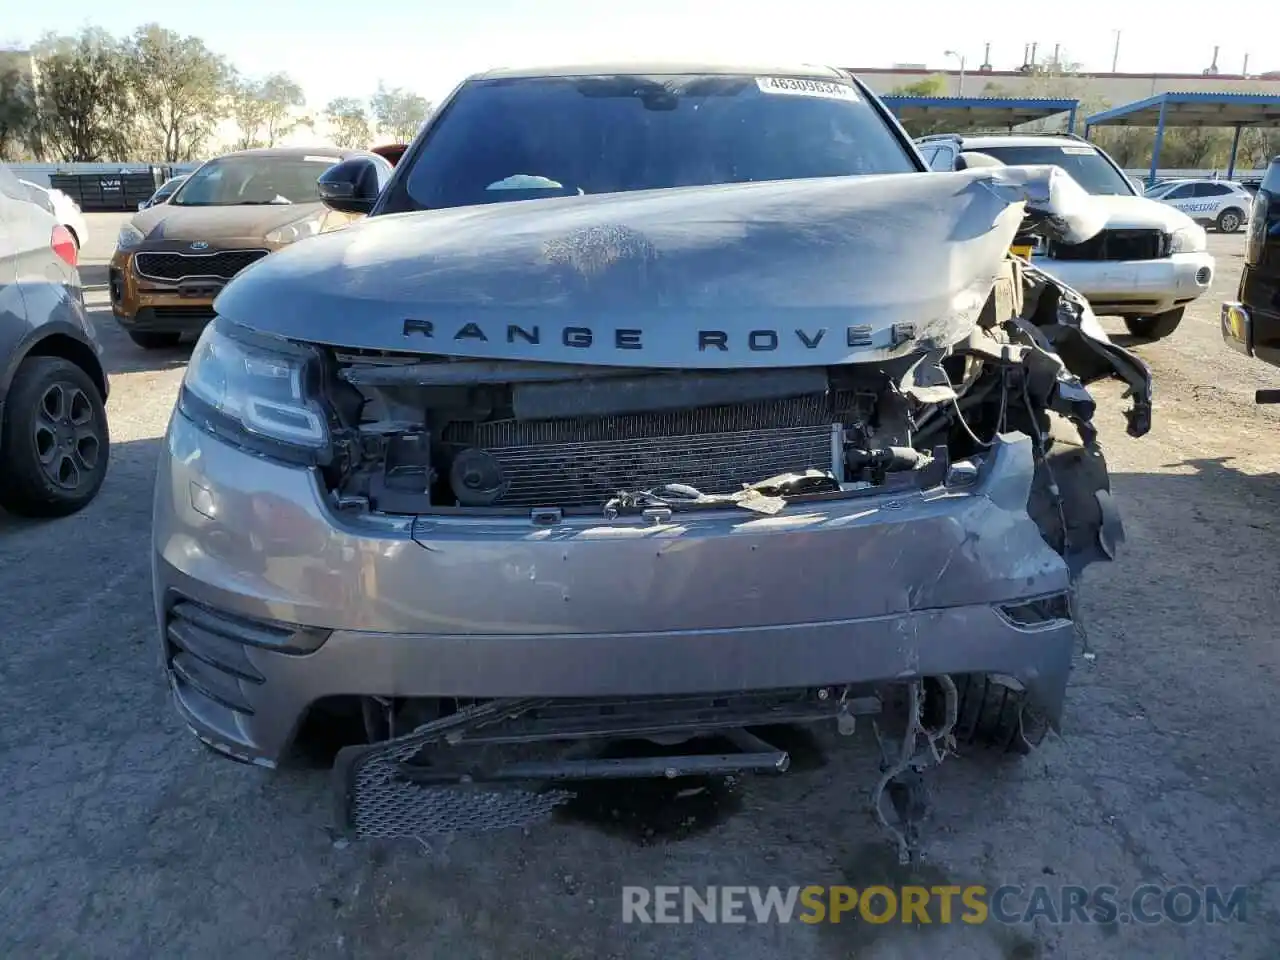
(176,319)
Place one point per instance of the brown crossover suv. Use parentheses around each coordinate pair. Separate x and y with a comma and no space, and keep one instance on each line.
(171,260)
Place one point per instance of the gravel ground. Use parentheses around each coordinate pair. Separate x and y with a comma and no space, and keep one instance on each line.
(123,838)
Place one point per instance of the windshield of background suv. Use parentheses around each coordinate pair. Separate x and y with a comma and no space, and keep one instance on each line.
(167,189)
(253,180)
(1086,166)
(527,138)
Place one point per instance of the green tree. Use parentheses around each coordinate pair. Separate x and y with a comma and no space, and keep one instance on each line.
(1130,147)
(179,88)
(83,110)
(17,114)
(935,86)
(263,110)
(400,113)
(281,95)
(247,110)
(1257,146)
(1193,148)
(348,121)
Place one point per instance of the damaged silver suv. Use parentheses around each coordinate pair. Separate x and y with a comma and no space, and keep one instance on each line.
(647,404)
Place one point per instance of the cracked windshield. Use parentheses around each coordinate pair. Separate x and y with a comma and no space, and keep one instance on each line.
(711,481)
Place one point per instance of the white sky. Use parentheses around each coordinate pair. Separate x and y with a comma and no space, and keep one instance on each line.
(334,48)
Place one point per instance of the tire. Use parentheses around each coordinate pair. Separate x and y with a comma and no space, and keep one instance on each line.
(994,713)
(1155,328)
(1229,220)
(148,340)
(54,442)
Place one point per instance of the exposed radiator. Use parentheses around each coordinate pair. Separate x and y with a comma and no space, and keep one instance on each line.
(714,449)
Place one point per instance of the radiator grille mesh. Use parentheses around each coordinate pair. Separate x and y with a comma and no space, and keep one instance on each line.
(585,462)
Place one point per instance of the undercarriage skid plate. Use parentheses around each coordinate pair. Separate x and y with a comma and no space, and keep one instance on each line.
(472,771)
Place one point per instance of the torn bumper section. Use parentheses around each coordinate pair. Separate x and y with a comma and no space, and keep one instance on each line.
(263,611)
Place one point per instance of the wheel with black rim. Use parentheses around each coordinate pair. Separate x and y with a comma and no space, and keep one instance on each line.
(54,442)
(1229,220)
(150,340)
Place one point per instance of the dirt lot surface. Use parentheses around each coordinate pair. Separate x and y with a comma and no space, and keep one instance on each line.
(121,837)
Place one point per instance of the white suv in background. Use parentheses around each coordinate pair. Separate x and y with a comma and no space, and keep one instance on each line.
(1145,267)
(1224,204)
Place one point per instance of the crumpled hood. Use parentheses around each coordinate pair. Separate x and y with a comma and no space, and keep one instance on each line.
(766,274)
(1135,213)
(250,221)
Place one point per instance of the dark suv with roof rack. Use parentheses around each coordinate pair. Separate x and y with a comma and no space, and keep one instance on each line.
(1251,323)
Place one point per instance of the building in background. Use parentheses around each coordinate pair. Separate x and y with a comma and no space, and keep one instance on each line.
(1112,89)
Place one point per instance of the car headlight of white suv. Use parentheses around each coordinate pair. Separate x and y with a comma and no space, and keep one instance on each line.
(1189,239)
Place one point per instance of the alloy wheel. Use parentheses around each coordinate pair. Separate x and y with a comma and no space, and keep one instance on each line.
(67,440)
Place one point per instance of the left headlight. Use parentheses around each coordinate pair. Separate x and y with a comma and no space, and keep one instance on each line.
(1189,239)
(129,237)
(308,226)
(256,390)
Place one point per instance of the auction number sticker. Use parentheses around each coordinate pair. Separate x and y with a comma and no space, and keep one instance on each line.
(1077,151)
(794,87)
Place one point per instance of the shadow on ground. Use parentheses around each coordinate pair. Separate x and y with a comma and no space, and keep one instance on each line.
(123,501)
(122,355)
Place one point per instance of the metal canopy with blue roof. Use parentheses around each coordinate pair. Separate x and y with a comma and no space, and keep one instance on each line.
(979,112)
(1238,110)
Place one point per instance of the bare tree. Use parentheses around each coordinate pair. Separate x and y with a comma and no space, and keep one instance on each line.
(400,113)
(280,95)
(348,122)
(248,111)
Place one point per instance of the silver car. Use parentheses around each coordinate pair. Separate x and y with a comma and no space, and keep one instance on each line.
(646,404)
(54,440)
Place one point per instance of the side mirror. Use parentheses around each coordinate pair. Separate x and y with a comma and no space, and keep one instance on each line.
(353,185)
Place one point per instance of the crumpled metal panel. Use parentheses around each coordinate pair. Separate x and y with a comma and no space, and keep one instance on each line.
(787,273)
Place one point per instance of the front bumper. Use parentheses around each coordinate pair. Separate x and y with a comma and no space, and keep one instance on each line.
(1135,287)
(144,304)
(267,600)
